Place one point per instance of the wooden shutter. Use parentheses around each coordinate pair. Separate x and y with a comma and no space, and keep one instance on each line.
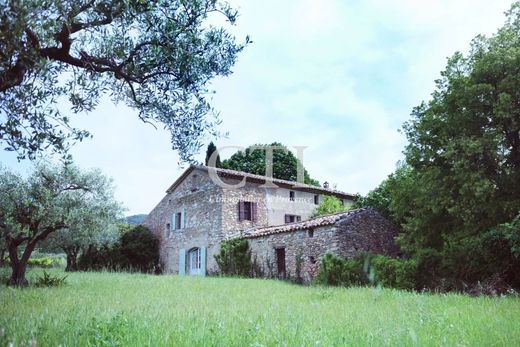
(253,212)
(174,221)
(183,220)
(203,261)
(287,219)
(241,211)
(182,262)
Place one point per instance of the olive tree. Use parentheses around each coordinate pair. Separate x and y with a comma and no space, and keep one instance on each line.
(155,56)
(92,225)
(50,199)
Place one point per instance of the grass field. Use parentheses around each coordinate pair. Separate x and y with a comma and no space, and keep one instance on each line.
(113,309)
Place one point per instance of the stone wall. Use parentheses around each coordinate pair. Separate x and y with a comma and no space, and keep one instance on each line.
(364,231)
(200,198)
(297,244)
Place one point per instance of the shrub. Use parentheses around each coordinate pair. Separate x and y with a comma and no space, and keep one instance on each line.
(137,250)
(45,262)
(337,271)
(234,258)
(140,248)
(394,273)
(367,269)
(48,280)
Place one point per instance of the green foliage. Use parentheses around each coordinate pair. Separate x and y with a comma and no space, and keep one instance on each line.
(51,202)
(338,271)
(457,193)
(367,269)
(41,262)
(211,149)
(394,273)
(49,280)
(157,57)
(464,145)
(140,247)
(234,258)
(136,250)
(329,205)
(252,160)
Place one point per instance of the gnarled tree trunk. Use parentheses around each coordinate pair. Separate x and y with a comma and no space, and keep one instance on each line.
(72,258)
(19,265)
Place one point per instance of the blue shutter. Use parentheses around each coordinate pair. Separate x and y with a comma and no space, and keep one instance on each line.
(174,221)
(203,261)
(183,225)
(182,262)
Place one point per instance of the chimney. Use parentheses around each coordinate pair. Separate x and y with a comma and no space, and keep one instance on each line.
(326,185)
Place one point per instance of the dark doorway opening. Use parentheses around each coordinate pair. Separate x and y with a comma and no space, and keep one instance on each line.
(280,262)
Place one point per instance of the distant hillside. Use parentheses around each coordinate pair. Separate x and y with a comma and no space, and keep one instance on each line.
(135,219)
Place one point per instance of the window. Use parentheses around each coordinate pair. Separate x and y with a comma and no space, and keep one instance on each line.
(178,220)
(291,218)
(316,199)
(247,211)
(310,233)
(168,230)
(342,202)
(291,195)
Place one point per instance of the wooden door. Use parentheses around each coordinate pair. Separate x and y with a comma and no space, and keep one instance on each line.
(280,262)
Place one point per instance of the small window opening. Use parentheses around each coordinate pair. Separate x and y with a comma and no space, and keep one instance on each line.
(292,194)
(178,220)
(311,233)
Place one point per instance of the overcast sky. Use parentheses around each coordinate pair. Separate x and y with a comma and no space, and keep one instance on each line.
(337,76)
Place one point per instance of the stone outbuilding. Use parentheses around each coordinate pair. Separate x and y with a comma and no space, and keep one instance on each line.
(292,250)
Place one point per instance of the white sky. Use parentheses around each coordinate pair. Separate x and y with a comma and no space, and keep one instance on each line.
(339,77)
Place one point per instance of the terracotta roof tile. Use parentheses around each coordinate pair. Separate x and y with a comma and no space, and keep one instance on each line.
(308,224)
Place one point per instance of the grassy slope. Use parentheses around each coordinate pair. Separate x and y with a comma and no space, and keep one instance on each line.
(138,310)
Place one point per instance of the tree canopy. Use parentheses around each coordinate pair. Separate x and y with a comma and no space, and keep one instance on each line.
(460,179)
(329,205)
(46,202)
(94,225)
(155,56)
(209,151)
(252,160)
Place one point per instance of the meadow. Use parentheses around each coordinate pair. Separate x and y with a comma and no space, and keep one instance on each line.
(119,309)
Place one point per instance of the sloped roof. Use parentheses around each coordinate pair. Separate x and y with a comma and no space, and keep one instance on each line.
(305,225)
(252,178)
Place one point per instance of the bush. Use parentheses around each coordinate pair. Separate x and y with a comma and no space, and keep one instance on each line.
(48,280)
(367,269)
(337,271)
(140,248)
(234,258)
(45,262)
(137,250)
(394,273)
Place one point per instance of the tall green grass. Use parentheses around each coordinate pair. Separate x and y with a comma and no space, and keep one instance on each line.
(115,309)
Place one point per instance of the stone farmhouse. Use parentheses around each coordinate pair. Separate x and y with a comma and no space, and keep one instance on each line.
(205,206)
